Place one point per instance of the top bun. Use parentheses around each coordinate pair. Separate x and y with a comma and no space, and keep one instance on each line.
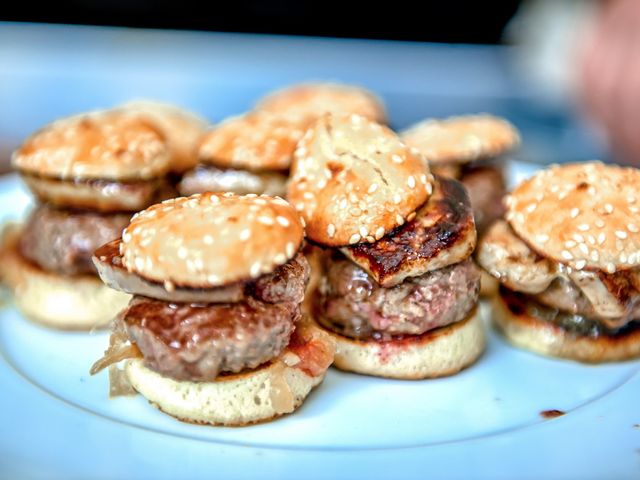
(210,239)
(584,215)
(110,145)
(354,181)
(256,141)
(462,139)
(181,128)
(306,102)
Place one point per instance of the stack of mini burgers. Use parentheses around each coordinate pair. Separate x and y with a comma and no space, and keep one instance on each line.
(89,173)
(213,333)
(252,153)
(568,261)
(398,290)
(469,148)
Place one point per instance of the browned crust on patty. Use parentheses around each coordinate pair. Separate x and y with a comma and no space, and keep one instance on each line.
(442,233)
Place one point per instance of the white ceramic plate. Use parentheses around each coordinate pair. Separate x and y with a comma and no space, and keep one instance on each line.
(56,420)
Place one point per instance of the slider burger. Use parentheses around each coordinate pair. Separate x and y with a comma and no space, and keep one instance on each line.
(213,333)
(306,102)
(398,290)
(567,257)
(89,173)
(471,149)
(250,153)
(181,128)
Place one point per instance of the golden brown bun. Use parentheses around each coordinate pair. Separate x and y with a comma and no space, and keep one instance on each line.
(539,336)
(211,239)
(354,181)
(78,302)
(181,128)
(584,215)
(488,284)
(112,145)
(101,196)
(253,396)
(256,141)
(306,102)
(436,353)
(462,139)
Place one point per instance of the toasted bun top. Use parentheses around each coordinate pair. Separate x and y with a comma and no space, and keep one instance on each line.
(584,215)
(255,141)
(112,145)
(181,128)
(211,239)
(354,181)
(462,139)
(306,102)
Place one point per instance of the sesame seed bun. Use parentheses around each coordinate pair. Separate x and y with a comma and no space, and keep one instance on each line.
(80,302)
(462,139)
(584,215)
(251,396)
(305,103)
(354,181)
(211,239)
(111,145)
(181,128)
(256,141)
(545,338)
(436,353)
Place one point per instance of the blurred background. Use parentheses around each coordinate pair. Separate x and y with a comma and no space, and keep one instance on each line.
(524,60)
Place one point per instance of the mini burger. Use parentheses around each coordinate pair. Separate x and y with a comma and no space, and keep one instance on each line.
(89,173)
(213,333)
(471,149)
(181,128)
(567,257)
(397,290)
(306,102)
(250,153)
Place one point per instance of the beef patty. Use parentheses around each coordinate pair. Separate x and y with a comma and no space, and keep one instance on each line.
(63,241)
(350,302)
(198,341)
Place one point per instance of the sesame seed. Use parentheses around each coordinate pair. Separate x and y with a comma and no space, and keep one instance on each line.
(207,239)
(307,195)
(608,208)
(355,238)
(265,220)
(283,221)
(213,279)
(396,158)
(397,198)
(583,248)
(621,234)
(299,206)
(583,227)
(623,257)
(601,238)
(610,268)
(364,232)
(599,223)
(182,253)
(575,212)
(580,264)
(331,230)
(594,255)
(632,228)
(280,259)
(542,238)
(423,178)
(370,239)
(399,219)
(254,271)
(429,188)
(566,255)
(531,207)
(290,249)
(373,188)
(578,238)
(411,216)
(411,182)
(569,244)
(245,234)
(379,233)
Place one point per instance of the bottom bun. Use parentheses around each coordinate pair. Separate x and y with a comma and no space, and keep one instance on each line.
(543,337)
(248,397)
(79,302)
(488,284)
(437,353)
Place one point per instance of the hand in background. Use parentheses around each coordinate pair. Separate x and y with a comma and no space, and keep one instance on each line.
(610,76)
